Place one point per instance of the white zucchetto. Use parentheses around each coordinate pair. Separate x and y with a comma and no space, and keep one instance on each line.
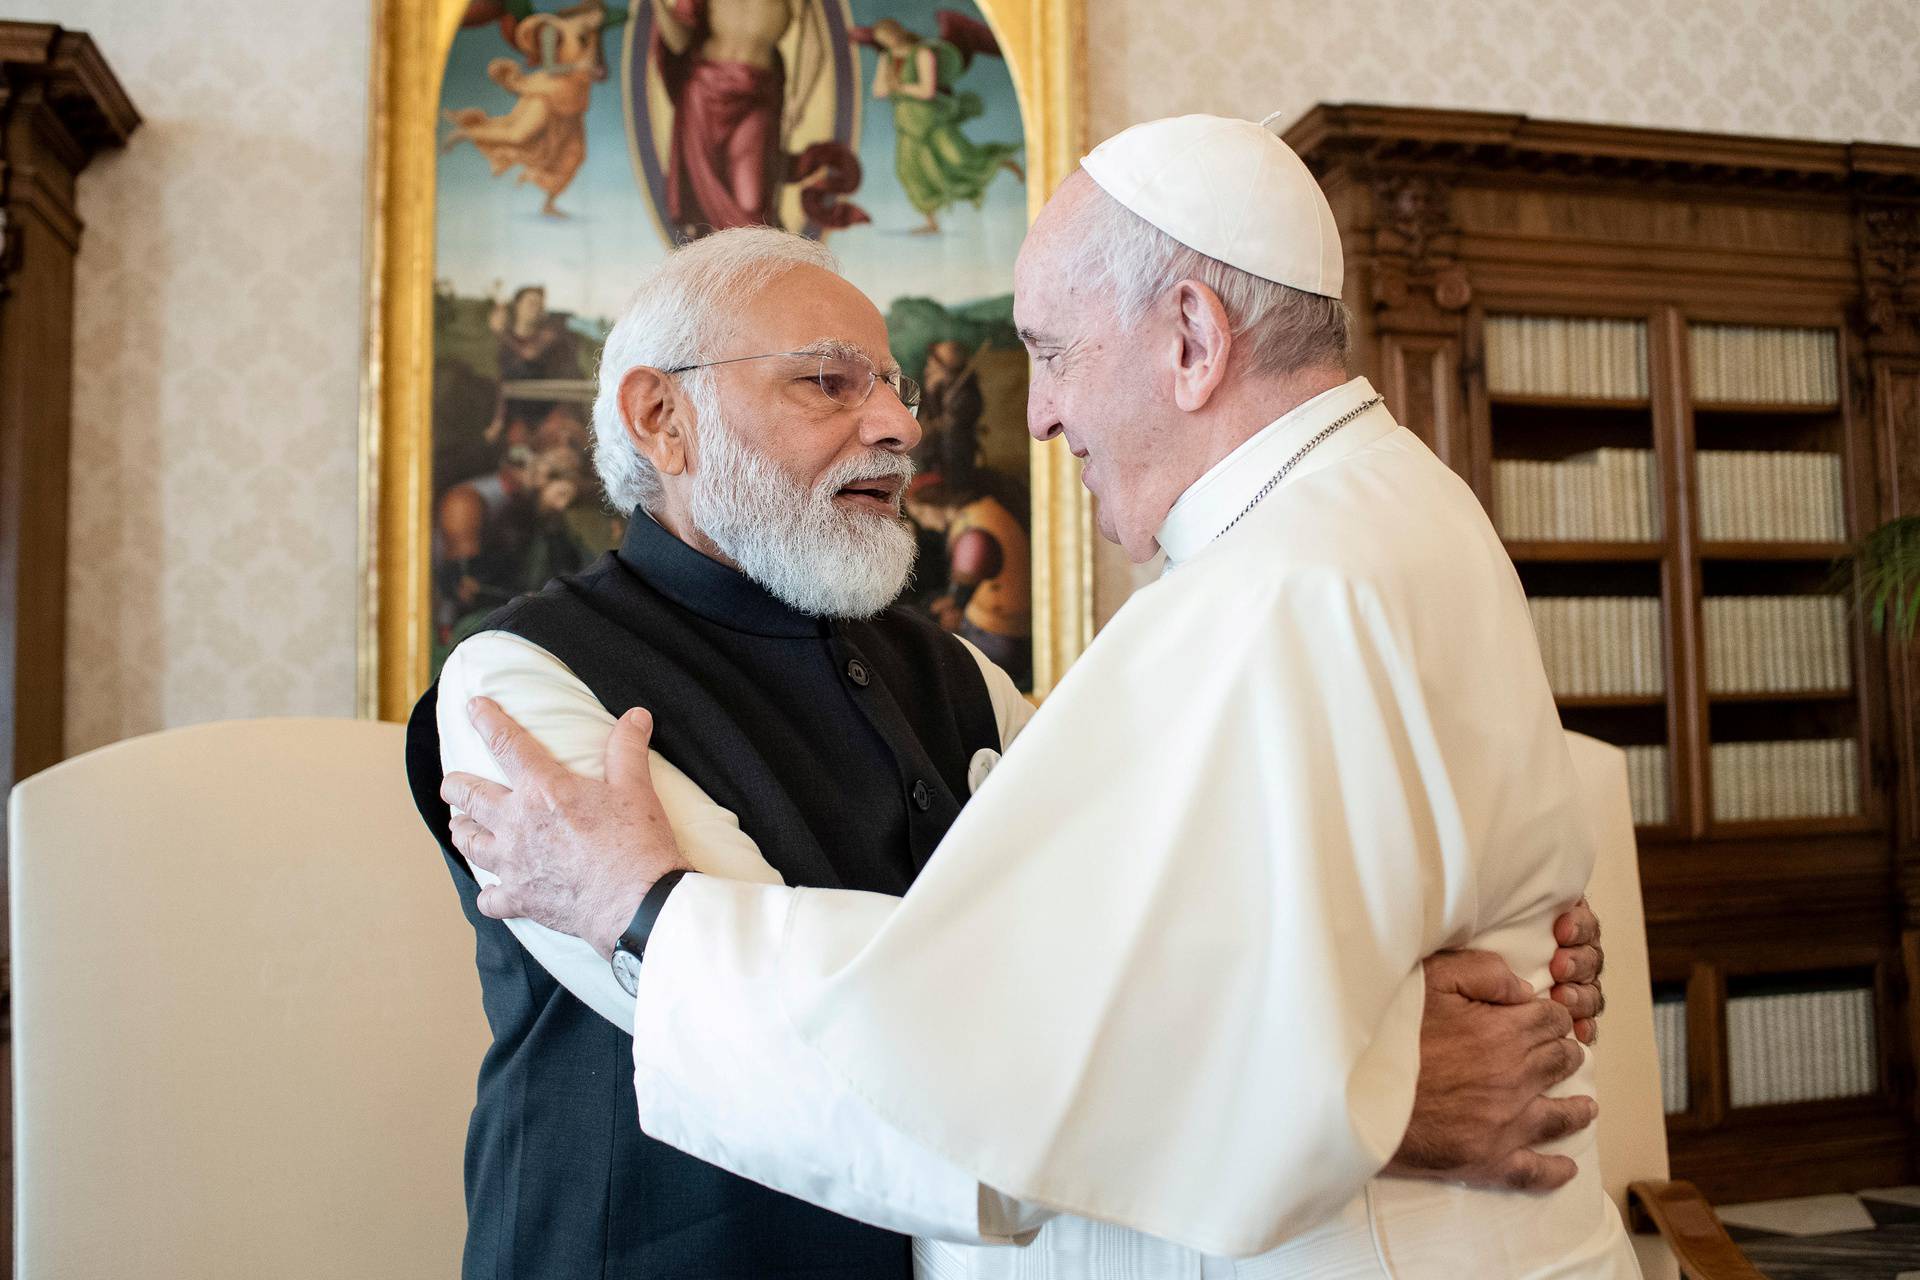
(1230,189)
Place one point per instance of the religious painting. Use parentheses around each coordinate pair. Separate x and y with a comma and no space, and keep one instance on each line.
(575,144)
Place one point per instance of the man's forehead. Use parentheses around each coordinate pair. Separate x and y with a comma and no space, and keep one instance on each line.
(810,309)
(1038,297)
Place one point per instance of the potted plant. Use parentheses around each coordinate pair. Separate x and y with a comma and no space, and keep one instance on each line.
(1888,564)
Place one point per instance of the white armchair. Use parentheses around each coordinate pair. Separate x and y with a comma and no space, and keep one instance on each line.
(247,1022)
(1632,1130)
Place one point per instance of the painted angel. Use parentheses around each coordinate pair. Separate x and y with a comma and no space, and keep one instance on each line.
(937,164)
(545,133)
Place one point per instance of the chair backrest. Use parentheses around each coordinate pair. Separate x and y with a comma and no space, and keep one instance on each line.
(246,1017)
(1626,1063)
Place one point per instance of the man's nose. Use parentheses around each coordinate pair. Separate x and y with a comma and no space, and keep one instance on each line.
(887,423)
(1043,423)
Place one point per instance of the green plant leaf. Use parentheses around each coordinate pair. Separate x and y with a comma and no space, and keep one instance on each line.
(1887,564)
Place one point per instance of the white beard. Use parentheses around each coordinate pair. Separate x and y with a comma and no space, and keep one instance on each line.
(800,545)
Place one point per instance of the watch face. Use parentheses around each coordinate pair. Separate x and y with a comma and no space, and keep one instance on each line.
(626,969)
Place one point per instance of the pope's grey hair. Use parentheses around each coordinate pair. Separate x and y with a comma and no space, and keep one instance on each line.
(684,313)
(1130,264)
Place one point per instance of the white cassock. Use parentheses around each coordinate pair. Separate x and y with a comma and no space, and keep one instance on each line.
(1158,993)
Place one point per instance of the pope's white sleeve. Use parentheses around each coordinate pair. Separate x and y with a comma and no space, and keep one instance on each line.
(561,713)
(710,1036)
(1097,993)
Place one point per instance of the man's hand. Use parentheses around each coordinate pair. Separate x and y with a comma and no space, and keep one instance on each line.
(1576,969)
(1488,1052)
(572,854)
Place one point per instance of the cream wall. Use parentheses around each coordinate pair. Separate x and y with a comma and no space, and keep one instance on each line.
(217,358)
(218,338)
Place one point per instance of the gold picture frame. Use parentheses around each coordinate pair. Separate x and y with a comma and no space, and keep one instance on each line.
(1045,47)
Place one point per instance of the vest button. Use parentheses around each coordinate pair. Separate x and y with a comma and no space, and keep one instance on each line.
(857,672)
(922,795)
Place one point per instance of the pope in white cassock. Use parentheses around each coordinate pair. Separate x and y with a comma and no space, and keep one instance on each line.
(1158,994)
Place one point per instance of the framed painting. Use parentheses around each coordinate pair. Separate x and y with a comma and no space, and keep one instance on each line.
(532,159)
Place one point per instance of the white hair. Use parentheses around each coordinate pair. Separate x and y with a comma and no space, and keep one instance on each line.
(1130,263)
(681,315)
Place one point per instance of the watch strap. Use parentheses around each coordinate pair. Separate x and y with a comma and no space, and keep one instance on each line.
(634,940)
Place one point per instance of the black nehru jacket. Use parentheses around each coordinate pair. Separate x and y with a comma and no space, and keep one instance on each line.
(843,749)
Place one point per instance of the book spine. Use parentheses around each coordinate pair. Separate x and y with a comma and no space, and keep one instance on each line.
(1670,1037)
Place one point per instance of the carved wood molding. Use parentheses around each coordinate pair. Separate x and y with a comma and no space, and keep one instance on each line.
(1361,138)
(1414,231)
(1889,247)
(80,91)
(55,85)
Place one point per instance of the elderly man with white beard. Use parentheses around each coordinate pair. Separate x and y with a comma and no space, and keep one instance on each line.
(751,415)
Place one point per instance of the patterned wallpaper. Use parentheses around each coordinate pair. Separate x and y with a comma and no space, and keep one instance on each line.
(1819,68)
(218,342)
(217,352)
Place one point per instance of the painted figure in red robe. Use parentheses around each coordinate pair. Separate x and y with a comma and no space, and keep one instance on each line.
(736,103)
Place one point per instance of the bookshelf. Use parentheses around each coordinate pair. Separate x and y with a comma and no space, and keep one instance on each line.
(1682,371)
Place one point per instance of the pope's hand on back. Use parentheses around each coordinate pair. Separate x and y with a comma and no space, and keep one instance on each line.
(571,853)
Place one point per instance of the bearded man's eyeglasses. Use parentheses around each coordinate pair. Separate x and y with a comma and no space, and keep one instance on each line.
(845,378)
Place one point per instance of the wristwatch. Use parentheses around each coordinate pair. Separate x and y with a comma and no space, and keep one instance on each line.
(631,949)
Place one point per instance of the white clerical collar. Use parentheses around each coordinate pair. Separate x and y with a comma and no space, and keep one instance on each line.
(1211,502)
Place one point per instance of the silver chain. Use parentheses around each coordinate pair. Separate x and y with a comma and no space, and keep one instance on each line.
(1281,474)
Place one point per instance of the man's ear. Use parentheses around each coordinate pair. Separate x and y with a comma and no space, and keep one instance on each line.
(657,416)
(1204,339)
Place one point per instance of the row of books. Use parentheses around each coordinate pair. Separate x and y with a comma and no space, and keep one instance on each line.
(1771,644)
(1734,364)
(1670,1041)
(1562,356)
(1750,496)
(1649,785)
(1606,495)
(1600,644)
(1793,1047)
(1803,778)
(1801,1047)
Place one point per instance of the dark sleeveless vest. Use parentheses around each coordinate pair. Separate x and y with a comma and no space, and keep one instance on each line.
(843,749)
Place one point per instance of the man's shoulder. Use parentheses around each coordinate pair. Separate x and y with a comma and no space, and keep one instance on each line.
(561,597)
(917,637)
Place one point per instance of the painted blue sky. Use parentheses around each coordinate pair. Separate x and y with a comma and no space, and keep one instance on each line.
(492,236)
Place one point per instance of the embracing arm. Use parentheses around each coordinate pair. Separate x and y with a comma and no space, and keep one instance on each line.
(562,714)
(875,1173)
(723,951)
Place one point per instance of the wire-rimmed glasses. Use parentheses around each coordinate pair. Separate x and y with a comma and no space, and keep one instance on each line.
(846,377)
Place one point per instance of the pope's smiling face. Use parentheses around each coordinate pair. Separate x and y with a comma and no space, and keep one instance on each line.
(1107,391)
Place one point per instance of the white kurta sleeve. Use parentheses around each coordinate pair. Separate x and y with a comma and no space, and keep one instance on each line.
(891,1181)
(1164,971)
(561,713)
(1011,709)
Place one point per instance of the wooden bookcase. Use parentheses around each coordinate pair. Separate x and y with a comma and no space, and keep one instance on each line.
(1449,218)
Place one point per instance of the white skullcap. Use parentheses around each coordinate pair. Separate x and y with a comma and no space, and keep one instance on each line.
(1230,189)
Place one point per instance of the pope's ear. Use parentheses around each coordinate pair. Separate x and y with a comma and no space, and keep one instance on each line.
(1205,338)
(656,414)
